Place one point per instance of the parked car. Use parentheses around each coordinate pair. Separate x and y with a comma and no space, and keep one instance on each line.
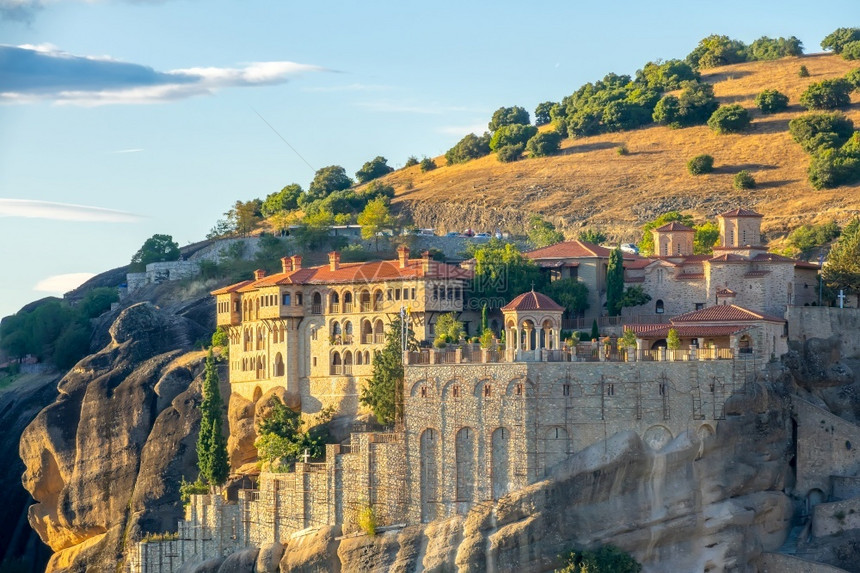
(482,236)
(452,234)
(629,248)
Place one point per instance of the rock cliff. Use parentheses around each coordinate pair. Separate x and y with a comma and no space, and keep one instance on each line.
(105,459)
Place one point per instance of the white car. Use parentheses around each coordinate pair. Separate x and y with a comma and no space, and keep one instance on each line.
(629,248)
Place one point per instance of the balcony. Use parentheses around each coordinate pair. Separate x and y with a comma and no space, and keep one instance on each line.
(316,308)
(335,307)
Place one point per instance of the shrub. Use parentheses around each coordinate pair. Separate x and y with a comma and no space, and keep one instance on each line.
(220,337)
(622,150)
(771,101)
(839,38)
(803,72)
(367,520)
(774,48)
(744,180)
(427,164)
(487,338)
(515,115)
(512,135)
(470,147)
(607,559)
(827,94)
(412,160)
(543,144)
(189,488)
(853,78)
(832,167)
(807,128)
(673,341)
(700,165)
(851,51)
(716,51)
(729,119)
(509,153)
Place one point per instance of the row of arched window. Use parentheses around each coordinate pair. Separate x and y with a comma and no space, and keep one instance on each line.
(369,333)
(259,366)
(341,363)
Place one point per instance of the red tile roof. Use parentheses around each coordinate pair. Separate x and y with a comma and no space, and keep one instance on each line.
(740,213)
(533,301)
(675,226)
(724,313)
(729,258)
(726,292)
(373,271)
(690,276)
(687,331)
(634,280)
(569,250)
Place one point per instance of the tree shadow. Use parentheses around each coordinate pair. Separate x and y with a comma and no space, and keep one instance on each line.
(586,147)
(647,152)
(723,76)
(770,125)
(775,184)
(732,169)
(735,98)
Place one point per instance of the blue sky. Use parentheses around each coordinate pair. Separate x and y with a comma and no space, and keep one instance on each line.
(121,119)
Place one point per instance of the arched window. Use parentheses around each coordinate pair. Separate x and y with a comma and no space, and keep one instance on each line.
(279,365)
(347,332)
(347,301)
(335,302)
(316,305)
(336,365)
(658,308)
(347,363)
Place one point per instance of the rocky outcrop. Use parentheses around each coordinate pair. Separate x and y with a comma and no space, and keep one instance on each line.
(104,461)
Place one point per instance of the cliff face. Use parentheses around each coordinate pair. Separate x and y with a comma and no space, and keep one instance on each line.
(104,461)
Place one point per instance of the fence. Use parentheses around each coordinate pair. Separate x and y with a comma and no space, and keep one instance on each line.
(583,352)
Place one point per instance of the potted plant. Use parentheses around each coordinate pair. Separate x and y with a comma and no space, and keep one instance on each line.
(628,341)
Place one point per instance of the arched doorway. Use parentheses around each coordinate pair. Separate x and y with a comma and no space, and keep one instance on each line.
(500,462)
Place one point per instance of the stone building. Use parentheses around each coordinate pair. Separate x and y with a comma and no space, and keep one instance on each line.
(314,330)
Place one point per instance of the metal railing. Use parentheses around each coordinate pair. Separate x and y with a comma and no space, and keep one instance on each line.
(316,308)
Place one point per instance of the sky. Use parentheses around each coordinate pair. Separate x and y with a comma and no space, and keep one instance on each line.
(120,119)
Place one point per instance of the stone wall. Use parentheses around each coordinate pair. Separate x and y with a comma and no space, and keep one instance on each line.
(157,273)
(824,322)
(835,517)
(826,445)
(779,563)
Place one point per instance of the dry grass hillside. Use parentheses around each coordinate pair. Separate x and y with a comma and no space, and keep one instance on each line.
(590,185)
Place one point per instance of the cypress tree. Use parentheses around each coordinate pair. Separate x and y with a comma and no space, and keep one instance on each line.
(484,323)
(614,283)
(211,444)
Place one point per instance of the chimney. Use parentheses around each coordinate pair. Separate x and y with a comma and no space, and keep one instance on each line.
(286,264)
(333,261)
(425,261)
(259,274)
(297,262)
(403,256)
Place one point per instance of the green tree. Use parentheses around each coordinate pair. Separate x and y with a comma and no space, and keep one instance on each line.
(851,51)
(744,180)
(543,233)
(807,238)
(816,130)
(853,78)
(501,270)
(326,181)
(542,112)
(510,153)
(514,134)
(833,167)
(593,236)
(156,249)
(544,144)
(569,293)
(716,50)
(827,94)
(427,164)
(666,76)
(411,161)
(607,559)
(595,333)
(803,72)
(668,112)
(98,301)
(508,116)
(485,324)
(220,338)
(700,165)
(842,270)
(211,443)
(771,101)
(373,169)
(314,230)
(634,296)
(71,345)
(697,103)
(448,326)
(375,219)
(837,39)
(673,341)
(729,119)
(383,393)
(707,235)
(245,216)
(287,199)
(614,282)
(774,48)
(468,148)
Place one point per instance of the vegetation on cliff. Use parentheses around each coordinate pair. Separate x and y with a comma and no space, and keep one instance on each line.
(211,443)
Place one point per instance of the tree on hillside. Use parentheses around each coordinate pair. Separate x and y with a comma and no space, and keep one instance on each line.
(156,249)
(245,216)
(694,106)
(373,169)
(375,219)
(842,270)
(816,130)
(729,119)
(383,393)
(614,282)
(427,164)
(468,148)
(544,144)
(707,235)
(666,76)
(837,39)
(514,134)
(716,50)
(827,94)
(593,236)
(774,48)
(851,51)
(326,181)
(607,559)
(807,238)
(211,443)
(287,199)
(508,116)
(314,230)
(771,101)
(98,301)
(543,112)
(543,233)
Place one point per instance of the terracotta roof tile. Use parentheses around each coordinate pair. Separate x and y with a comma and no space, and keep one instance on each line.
(726,292)
(652,331)
(569,250)
(230,288)
(729,258)
(690,276)
(674,226)
(741,213)
(724,313)
(532,301)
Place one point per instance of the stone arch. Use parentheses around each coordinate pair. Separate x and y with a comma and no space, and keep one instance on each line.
(659,307)
(447,388)
(334,301)
(359,358)
(659,344)
(555,447)
(500,462)
(366,332)
(347,332)
(429,471)
(526,386)
(465,443)
(378,331)
(261,367)
(347,301)
(814,497)
(278,366)
(336,364)
(316,303)
(367,356)
(347,362)
(483,387)
(364,300)
(705,431)
(336,329)
(416,388)
(745,344)
(378,300)
(657,437)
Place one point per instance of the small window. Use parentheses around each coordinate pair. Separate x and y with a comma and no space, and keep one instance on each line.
(610,389)
(424,391)
(299,299)
(700,305)
(518,389)
(413,295)
(397,294)
(286,301)
(389,294)
(487,391)
(565,390)
(455,391)
(658,308)
(663,389)
(315,361)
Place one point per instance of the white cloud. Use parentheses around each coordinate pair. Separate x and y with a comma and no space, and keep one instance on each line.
(127,151)
(349,88)
(31,73)
(28,208)
(389,106)
(59,284)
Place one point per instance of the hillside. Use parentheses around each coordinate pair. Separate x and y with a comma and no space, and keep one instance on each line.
(589,184)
